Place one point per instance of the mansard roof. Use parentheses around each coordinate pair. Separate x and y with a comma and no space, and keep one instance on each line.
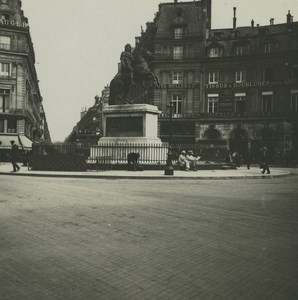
(179,14)
(256,31)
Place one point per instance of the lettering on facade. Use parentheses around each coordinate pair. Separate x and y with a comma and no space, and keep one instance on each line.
(231,85)
(179,86)
(13,23)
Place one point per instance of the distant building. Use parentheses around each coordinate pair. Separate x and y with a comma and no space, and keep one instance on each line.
(22,116)
(235,88)
(89,128)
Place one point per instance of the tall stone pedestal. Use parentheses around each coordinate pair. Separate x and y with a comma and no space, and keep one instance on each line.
(130,128)
(130,123)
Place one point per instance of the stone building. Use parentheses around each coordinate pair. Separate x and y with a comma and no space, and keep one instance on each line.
(235,88)
(22,116)
(88,130)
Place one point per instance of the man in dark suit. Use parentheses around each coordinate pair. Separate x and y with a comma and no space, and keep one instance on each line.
(14,156)
(265,161)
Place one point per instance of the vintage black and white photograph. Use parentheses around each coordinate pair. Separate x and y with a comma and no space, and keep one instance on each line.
(148,150)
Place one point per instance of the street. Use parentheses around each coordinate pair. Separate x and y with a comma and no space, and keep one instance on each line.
(148,239)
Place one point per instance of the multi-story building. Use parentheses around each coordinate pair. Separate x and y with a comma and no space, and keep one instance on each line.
(22,117)
(236,87)
(89,128)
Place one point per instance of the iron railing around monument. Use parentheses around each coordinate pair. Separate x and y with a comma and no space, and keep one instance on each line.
(157,153)
(86,156)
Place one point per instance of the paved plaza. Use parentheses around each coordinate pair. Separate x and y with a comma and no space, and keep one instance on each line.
(78,238)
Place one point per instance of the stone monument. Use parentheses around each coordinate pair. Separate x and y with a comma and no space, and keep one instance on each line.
(129,118)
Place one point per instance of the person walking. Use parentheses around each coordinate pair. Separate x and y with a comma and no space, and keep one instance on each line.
(14,156)
(265,161)
(248,159)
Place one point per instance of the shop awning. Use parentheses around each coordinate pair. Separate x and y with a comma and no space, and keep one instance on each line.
(22,141)
(25,142)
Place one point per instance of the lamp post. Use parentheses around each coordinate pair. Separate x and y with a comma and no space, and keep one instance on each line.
(169,170)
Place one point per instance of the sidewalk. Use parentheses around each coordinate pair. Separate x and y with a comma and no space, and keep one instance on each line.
(241,173)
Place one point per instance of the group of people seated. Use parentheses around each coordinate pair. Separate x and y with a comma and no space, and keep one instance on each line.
(187,161)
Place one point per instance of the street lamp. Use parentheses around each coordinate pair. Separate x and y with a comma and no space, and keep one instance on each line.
(169,170)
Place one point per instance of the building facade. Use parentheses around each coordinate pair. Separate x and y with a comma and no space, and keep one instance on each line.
(22,115)
(235,88)
(89,128)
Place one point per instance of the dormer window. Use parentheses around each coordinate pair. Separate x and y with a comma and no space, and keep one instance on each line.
(218,35)
(178,33)
(235,34)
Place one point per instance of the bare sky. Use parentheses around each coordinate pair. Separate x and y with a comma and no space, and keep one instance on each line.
(78,43)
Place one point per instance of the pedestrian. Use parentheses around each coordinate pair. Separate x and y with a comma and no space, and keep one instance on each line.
(182,161)
(264,161)
(236,159)
(14,156)
(248,159)
(192,160)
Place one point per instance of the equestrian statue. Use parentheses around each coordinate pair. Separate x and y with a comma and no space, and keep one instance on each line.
(134,72)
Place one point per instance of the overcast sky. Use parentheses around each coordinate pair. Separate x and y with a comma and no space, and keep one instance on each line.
(78,43)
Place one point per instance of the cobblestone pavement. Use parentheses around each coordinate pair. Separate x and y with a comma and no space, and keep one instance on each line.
(162,239)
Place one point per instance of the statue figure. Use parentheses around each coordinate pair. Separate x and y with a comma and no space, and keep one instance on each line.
(126,60)
(134,71)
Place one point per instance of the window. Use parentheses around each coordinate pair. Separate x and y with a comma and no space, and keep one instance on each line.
(1,125)
(240,50)
(177,104)
(268,48)
(294,101)
(240,102)
(215,52)
(213,104)
(267,102)
(240,76)
(178,52)
(5,42)
(4,69)
(218,35)
(177,78)
(178,33)
(11,126)
(213,77)
(4,100)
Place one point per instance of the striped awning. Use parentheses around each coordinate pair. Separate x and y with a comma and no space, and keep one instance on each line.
(22,141)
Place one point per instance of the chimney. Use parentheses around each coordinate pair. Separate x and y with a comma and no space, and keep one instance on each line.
(289,18)
(234,19)
(252,23)
(272,21)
